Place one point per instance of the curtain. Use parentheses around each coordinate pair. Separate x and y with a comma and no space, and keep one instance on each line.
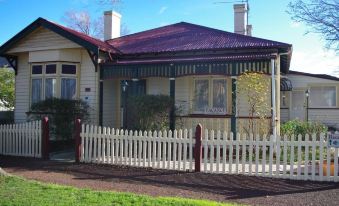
(201,90)
(50,88)
(219,94)
(68,88)
(36,90)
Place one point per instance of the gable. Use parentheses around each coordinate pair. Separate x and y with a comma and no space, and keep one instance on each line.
(42,39)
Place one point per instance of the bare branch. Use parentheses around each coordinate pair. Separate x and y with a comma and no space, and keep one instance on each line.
(321,16)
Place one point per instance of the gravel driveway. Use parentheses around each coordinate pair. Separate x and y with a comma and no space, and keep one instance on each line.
(234,188)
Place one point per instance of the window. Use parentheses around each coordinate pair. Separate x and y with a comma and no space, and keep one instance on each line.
(50,88)
(284,99)
(68,88)
(324,96)
(210,96)
(36,90)
(53,80)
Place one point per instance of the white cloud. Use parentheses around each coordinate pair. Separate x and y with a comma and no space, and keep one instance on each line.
(319,62)
(162,9)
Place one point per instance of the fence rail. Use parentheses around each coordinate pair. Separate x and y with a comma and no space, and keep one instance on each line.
(302,158)
(21,139)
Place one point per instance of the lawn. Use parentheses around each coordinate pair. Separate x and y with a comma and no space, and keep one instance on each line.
(18,191)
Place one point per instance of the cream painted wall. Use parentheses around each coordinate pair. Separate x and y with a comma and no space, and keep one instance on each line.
(111,103)
(42,39)
(22,91)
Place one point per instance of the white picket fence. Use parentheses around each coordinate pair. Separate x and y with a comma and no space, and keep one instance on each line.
(163,150)
(221,152)
(299,158)
(22,139)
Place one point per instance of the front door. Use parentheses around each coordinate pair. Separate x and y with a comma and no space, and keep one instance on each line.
(298,105)
(132,88)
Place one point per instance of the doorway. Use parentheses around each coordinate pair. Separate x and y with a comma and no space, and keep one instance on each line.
(298,105)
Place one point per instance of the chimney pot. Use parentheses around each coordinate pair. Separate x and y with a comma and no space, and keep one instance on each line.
(112,21)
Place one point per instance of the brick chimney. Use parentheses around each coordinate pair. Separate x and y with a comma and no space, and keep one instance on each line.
(112,21)
(240,20)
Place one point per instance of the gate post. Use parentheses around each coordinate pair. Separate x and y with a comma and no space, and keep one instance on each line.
(77,139)
(198,148)
(45,139)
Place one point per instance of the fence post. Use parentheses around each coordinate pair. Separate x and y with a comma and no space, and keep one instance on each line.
(77,139)
(198,148)
(45,138)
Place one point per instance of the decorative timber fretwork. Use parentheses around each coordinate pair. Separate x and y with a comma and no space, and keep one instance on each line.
(94,57)
(183,69)
(13,62)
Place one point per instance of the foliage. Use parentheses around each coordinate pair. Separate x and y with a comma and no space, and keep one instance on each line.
(18,191)
(253,87)
(296,127)
(7,88)
(62,114)
(321,16)
(149,112)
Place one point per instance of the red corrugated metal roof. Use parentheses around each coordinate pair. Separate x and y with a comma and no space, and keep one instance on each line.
(186,37)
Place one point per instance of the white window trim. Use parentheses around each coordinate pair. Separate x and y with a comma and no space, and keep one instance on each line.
(58,76)
(319,86)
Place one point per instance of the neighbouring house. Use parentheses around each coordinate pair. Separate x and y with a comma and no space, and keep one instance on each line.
(311,97)
(196,65)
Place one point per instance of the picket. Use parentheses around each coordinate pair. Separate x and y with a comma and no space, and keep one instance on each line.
(22,139)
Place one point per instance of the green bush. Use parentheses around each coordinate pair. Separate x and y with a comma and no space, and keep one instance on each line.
(148,112)
(296,127)
(62,114)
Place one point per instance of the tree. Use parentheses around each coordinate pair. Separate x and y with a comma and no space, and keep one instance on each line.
(321,16)
(7,92)
(253,88)
(81,21)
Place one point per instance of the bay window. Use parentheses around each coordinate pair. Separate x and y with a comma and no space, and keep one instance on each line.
(49,80)
(210,96)
(323,96)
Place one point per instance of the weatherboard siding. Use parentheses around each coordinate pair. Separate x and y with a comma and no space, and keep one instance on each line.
(89,79)
(157,86)
(22,85)
(42,39)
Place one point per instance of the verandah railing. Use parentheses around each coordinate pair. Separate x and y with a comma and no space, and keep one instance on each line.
(303,158)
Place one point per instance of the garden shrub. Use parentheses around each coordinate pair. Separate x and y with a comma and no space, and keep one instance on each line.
(296,127)
(148,112)
(62,114)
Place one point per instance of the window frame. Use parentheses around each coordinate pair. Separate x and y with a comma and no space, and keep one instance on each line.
(321,86)
(210,95)
(57,75)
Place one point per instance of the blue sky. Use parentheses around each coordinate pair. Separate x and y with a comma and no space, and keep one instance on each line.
(269,20)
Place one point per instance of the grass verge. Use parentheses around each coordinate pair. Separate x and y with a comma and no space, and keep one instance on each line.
(18,191)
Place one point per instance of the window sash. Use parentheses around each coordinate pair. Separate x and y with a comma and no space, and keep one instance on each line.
(36,90)
(201,95)
(323,97)
(50,88)
(68,88)
(219,95)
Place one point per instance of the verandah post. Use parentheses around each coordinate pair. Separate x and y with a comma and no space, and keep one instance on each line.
(77,139)
(45,138)
(198,148)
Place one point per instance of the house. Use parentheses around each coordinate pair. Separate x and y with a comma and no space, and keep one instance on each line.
(312,97)
(196,65)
